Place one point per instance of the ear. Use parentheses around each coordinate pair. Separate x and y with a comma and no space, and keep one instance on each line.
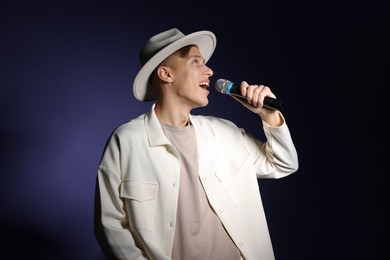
(165,74)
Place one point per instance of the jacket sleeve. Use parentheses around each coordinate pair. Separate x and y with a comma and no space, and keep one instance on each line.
(111,226)
(277,157)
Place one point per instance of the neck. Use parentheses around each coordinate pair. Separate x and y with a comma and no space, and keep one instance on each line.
(172,114)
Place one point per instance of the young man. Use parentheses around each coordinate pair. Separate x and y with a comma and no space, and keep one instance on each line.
(172,185)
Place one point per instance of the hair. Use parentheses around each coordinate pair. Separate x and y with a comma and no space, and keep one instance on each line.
(170,61)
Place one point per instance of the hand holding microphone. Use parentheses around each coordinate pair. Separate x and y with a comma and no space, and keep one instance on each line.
(227,87)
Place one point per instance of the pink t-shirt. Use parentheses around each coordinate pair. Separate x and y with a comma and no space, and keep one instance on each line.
(199,233)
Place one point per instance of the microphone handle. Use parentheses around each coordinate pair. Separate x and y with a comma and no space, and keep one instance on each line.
(268,102)
(273,103)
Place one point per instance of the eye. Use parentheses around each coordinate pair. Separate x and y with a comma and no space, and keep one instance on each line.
(198,61)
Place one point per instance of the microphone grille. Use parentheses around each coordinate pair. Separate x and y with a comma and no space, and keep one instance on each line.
(222,85)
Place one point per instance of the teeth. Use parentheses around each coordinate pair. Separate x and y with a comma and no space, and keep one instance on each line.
(204,84)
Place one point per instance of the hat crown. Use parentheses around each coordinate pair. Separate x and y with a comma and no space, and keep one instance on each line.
(158,42)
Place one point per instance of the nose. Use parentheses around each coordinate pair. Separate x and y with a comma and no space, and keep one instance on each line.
(209,71)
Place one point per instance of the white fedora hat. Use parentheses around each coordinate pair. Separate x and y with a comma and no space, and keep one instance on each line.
(159,47)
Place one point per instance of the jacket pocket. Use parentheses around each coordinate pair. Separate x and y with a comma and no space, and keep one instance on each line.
(140,202)
(237,176)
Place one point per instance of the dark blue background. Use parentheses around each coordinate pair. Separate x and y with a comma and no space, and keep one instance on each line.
(66,78)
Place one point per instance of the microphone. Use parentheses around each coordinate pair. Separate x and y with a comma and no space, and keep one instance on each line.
(226,87)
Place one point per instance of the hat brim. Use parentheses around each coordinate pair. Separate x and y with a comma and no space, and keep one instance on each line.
(206,42)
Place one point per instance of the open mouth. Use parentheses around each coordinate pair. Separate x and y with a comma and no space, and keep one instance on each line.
(204,85)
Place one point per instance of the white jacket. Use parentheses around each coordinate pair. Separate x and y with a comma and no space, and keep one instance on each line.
(138,184)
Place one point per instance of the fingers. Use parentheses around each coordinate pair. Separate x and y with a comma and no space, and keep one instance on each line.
(255,93)
(244,86)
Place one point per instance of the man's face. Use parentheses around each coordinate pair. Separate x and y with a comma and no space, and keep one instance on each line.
(191,79)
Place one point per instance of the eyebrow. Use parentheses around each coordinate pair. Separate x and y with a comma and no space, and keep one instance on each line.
(197,56)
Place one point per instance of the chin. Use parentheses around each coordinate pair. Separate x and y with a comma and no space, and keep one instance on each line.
(205,103)
(202,103)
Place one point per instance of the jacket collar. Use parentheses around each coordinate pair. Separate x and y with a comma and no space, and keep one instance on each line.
(154,131)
